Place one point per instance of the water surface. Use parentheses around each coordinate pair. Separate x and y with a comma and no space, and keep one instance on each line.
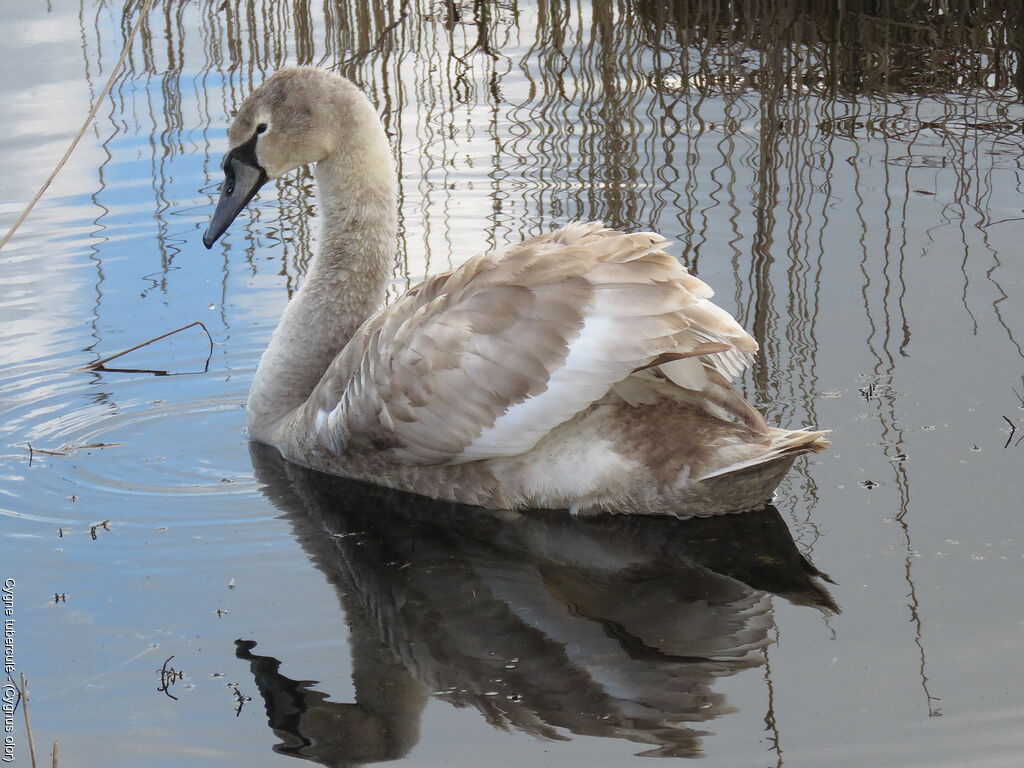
(849,182)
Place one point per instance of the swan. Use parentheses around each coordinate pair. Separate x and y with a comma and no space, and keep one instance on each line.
(583,369)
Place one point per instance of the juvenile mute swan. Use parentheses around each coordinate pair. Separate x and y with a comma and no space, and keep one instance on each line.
(582,369)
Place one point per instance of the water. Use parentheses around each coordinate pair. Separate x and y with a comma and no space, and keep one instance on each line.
(849,182)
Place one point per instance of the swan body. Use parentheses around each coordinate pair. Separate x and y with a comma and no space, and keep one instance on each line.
(582,369)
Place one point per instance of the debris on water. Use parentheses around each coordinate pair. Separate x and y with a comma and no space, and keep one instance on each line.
(100,365)
(168,677)
(68,448)
(240,698)
(869,484)
(33,451)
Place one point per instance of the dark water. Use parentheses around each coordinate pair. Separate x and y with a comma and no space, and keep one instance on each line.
(850,182)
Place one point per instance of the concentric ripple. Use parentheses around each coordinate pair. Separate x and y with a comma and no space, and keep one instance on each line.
(87,446)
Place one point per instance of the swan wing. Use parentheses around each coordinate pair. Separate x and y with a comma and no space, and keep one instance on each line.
(485,360)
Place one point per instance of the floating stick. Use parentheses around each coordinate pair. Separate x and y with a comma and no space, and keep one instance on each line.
(99,364)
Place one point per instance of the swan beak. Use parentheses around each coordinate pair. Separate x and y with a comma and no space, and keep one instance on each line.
(243,178)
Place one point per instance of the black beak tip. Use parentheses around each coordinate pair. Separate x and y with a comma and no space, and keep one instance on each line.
(243,178)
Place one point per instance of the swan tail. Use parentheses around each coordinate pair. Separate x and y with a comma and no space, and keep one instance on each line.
(784,446)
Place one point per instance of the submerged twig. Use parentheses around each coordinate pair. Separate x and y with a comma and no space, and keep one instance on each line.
(81,131)
(100,364)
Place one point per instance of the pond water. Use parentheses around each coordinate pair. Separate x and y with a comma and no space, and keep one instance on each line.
(849,181)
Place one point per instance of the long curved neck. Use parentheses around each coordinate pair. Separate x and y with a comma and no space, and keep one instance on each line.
(346,283)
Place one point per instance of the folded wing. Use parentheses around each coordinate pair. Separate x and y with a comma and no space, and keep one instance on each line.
(484,361)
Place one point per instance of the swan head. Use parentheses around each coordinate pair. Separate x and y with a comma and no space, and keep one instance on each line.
(299,115)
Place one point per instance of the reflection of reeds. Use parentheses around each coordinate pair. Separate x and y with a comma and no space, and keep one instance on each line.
(862,46)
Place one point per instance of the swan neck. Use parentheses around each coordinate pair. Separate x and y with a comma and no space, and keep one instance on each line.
(345,284)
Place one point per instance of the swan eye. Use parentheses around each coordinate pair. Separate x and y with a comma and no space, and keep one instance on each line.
(261,128)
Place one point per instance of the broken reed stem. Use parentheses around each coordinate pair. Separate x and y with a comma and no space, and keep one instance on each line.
(28,721)
(100,363)
(53,763)
(81,131)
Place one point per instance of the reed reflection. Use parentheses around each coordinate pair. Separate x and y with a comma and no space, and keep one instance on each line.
(547,624)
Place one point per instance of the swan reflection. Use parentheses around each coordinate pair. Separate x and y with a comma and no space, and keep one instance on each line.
(552,625)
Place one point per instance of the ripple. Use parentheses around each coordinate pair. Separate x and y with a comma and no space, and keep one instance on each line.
(175,448)
(96,452)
